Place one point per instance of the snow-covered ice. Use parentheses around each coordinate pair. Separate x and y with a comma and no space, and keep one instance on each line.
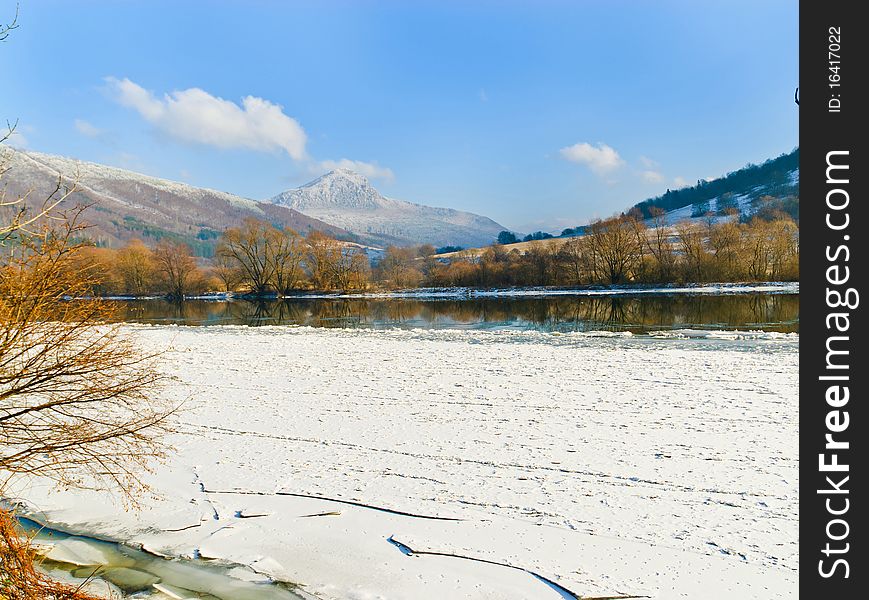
(608,465)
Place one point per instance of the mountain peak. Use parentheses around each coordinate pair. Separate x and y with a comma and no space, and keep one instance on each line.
(346,197)
(346,173)
(337,189)
(340,174)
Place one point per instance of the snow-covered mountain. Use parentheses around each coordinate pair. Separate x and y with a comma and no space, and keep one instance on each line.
(347,200)
(126,205)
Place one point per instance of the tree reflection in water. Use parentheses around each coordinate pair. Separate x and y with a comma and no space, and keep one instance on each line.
(641,313)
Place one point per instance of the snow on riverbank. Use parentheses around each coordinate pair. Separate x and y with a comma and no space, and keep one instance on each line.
(664,467)
(767,287)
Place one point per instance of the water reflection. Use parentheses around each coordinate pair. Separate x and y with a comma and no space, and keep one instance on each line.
(769,312)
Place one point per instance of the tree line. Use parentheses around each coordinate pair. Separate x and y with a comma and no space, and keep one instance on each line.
(256,258)
(619,250)
(262,260)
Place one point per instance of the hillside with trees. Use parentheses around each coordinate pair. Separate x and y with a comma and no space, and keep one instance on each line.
(123,205)
(770,181)
(622,250)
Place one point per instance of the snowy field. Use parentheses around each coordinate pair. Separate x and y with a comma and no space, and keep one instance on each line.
(563,465)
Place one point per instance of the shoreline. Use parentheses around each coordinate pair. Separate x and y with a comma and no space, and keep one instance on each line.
(460,293)
(68,549)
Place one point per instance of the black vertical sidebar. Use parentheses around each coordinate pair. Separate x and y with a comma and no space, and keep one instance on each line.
(834,436)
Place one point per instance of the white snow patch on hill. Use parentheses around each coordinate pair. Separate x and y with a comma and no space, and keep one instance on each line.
(744,203)
(97,177)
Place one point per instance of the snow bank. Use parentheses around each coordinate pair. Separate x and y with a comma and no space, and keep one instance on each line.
(472,464)
(772,287)
(724,334)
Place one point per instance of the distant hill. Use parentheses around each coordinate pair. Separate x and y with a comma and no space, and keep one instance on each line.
(127,205)
(773,185)
(347,200)
(764,190)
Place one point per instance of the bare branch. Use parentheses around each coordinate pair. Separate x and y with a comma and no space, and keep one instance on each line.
(6,28)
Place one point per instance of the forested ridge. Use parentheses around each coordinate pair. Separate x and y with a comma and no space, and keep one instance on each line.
(770,178)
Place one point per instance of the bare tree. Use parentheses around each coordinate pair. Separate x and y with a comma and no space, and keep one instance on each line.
(335,265)
(347,268)
(660,245)
(177,269)
(724,242)
(540,259)
(287,250)
(399,267)
(134,264)
(268,258)
(694,255)
(616,248)
(5,28)
(574,257)
(248,247)
(76,401)
(771,249)
(785,249)
(76,395)
(228,271)
(321,252)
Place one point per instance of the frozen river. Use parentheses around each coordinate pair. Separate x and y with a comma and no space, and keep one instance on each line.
(456,463)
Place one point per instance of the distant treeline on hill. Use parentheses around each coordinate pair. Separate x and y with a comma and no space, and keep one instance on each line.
(772,176)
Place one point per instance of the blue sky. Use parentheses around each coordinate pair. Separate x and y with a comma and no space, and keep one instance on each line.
(538,114)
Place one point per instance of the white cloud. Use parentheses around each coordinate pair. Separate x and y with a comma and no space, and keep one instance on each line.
(680,182)
(484,97)
(370,170)
(87,129)
(601,159)
(652,176)
(194,115)
(648,162)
